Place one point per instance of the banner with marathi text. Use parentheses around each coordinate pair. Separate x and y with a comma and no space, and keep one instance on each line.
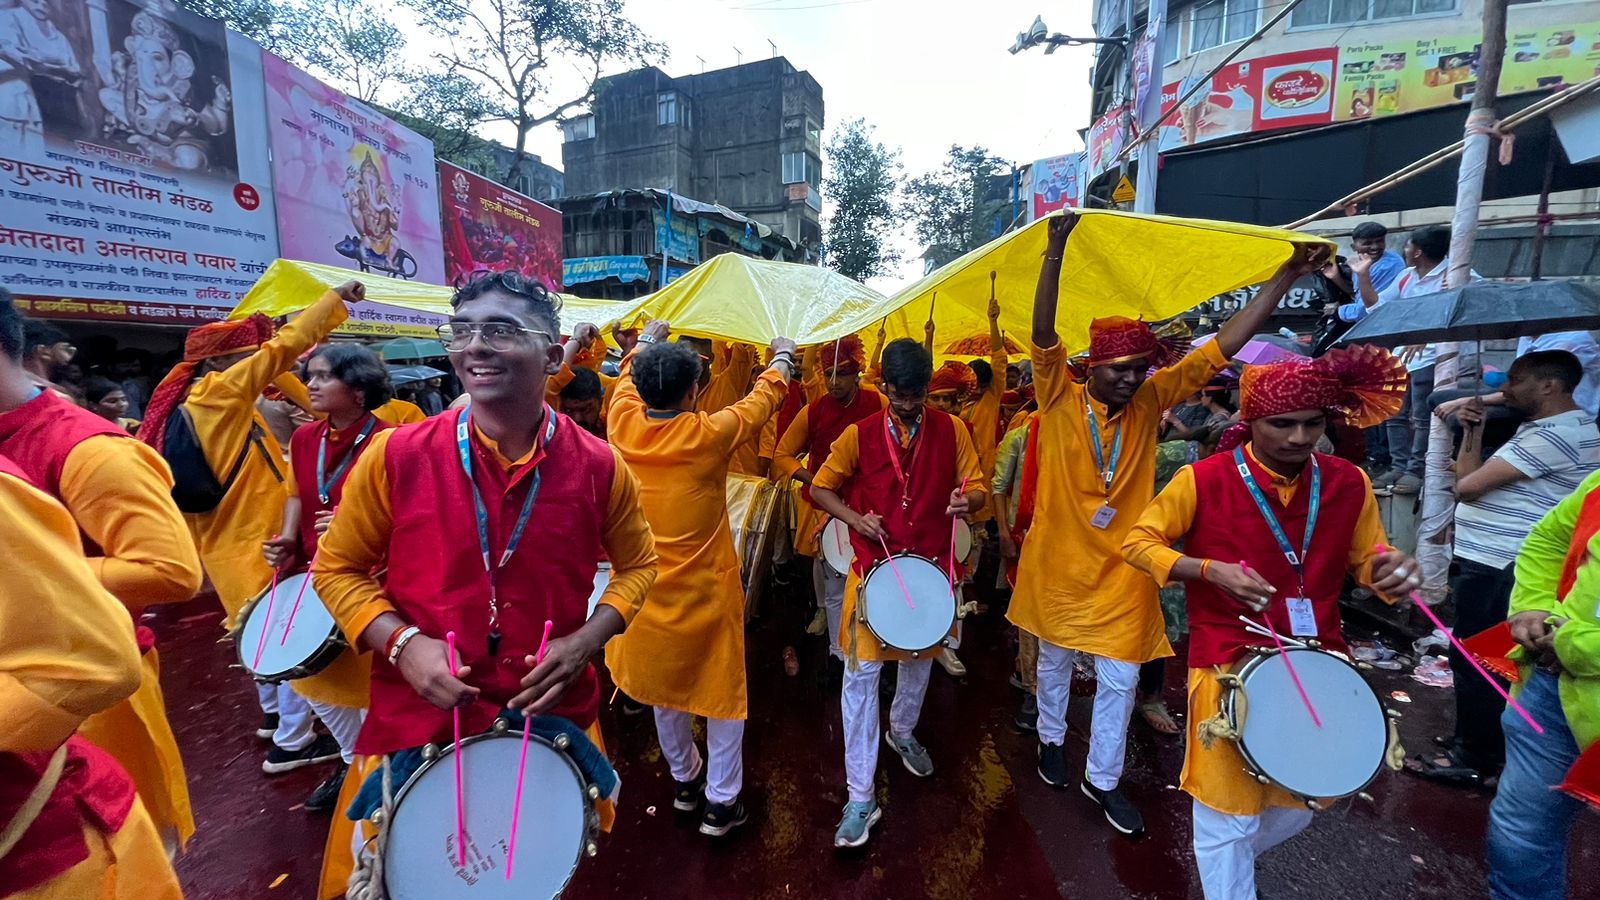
(488,227)
(139,190)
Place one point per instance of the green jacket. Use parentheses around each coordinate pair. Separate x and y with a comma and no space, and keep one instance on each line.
(1577,643)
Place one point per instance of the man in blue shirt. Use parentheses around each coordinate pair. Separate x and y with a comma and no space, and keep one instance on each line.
(1374,260)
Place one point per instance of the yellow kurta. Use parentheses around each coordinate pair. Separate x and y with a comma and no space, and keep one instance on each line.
(1099,604)
(786,460)
(223,406)
(119,491)
(855,639)
(1216,775)
(730,380)
(984,417)
(59,664)
(685,651)
(399,412)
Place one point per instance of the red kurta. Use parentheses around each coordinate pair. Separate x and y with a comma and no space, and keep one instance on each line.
(435,586)
(1228,526)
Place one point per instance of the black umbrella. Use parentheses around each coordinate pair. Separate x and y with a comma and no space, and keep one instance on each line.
(1484,311)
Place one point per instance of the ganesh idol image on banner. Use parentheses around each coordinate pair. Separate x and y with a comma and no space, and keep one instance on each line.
(130,133)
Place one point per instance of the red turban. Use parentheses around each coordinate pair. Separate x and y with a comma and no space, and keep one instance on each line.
(954,376)
(203,343)
(845,355)
(1362,385)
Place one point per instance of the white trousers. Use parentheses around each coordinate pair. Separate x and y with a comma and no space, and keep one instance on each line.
(344,723)
(724,746)
(830,596)
(1438,512)
(1226,846)
(858,704)
(1113,707)
(295,718)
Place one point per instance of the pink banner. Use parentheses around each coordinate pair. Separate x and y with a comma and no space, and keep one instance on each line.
(490,227)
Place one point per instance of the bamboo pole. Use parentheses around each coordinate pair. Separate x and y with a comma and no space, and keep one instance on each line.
(1478,132)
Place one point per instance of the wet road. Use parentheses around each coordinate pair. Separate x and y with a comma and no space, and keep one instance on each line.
(983,826)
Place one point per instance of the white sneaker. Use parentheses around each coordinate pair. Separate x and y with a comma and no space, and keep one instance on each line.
(951,664)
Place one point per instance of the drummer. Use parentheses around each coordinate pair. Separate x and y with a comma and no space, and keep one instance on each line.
(684,654)
(901,494)
(347,383)
(491,521)
(812,433)
(1268,501)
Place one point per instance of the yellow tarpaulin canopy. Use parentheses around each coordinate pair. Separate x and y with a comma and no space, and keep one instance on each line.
(1116,263)
(394,307)
(738,298)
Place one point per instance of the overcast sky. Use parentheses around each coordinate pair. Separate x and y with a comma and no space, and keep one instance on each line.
(925,73)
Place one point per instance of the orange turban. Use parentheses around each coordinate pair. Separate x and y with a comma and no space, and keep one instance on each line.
(203,343)
(1115,339)
(845,355)
(954,376)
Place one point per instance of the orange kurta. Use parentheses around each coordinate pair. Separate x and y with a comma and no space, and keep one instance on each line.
(1099,604)
(984,417)
(854,639)
(730,380)
(399,412)
(119,491)
(223,406)
(1217,775)
(786,460)
(60,663)
(685,651)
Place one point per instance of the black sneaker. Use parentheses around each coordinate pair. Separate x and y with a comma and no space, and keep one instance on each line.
(268,726)
(326,794)
(686,795)
(1119,810)
(323,749)
(722,818)
(632,707)
(1053,765)
(1028,713)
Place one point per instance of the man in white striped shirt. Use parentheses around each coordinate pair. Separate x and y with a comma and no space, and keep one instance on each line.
(1500,499)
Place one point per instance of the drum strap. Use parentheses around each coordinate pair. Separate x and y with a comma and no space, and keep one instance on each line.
(366,879)
(34,804)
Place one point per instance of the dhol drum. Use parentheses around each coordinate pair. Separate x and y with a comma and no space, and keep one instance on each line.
(289,649)
(963,534)
(753,508)
(916,623)
(836,548)
(1283,746)
(602,580)
(557,827)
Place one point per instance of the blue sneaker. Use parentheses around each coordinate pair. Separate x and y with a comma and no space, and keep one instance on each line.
(856,825)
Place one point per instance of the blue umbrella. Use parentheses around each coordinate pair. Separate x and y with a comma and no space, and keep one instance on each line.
(399,375)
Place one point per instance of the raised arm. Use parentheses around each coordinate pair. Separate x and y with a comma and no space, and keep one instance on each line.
(786,456)
(1048,293)
(744,418)
(1253,318)
(304,331)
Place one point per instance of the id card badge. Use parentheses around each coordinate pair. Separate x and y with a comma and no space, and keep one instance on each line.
(1302,621)
(1103,516)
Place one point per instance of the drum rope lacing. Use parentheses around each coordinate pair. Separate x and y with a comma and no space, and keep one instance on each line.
(366,879)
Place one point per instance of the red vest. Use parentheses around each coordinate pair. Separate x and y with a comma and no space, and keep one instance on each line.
(828,418)
(303,462)
(1229,527)
(93,789)
(794,400)
(929,466)
(437,581)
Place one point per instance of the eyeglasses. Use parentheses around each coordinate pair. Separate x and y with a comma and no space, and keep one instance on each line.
(496,335)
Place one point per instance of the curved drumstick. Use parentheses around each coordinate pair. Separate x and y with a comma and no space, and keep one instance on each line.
(272,597)
(1462,649)
(889,557)
(522,763)
(455,713)
(1283,654)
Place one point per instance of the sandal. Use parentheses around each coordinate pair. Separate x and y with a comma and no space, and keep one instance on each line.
(1158,717)
(1445,767)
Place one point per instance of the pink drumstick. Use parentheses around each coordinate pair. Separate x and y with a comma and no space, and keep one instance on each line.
(1461,648)
(455,713)
(955,528)
(296,608)
(272,597)
(522,764)
(889,557)
(1283,654)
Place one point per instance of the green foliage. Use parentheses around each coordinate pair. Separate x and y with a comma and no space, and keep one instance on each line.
(862,184)
(954,207)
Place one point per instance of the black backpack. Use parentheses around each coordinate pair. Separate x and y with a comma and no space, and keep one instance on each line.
(194,486)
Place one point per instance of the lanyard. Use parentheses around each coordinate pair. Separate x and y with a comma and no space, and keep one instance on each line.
(893,434)
(464,448)
(1106,472)
(324,482)
(1314,504)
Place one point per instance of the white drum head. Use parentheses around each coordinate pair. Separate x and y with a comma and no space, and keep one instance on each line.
(963,534)
(836,548)
(313,627)
(602,580)
(1282,742)
(421,859)
(917,625)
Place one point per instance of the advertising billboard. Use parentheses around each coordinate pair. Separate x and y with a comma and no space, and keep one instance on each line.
(491,228)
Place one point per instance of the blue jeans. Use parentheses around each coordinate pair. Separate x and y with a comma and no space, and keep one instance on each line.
(1529,822)
(1408,430)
